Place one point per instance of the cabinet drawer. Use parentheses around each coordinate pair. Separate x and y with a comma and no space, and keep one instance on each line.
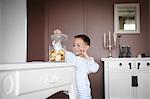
(29,81)
(120,64)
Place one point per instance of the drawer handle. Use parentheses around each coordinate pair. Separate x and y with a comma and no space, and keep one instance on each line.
(138,66)
(134,81)
(120,64)
(130,66)
(148,64)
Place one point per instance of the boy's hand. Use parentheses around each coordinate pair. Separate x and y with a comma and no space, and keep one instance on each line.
(84,54)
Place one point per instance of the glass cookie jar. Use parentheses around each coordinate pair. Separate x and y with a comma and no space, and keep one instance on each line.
(57,55)
(57,49)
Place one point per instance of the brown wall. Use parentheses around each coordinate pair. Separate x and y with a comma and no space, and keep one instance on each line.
(94,17)
(149,28)
(91,17)
(37,30)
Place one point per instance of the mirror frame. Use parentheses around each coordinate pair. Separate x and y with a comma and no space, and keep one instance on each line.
(137,18)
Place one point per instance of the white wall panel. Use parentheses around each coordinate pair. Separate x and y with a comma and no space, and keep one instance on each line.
(14,30)
(1,31)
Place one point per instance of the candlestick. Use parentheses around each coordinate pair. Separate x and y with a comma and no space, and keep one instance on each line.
(115,39)
(109,38)
(105,42)
(110,42)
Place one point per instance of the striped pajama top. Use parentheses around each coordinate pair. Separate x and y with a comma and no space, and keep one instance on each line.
(82,69)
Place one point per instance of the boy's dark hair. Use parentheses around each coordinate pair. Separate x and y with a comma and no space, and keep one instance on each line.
(85,38)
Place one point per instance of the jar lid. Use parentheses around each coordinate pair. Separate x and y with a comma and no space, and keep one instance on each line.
(59,37)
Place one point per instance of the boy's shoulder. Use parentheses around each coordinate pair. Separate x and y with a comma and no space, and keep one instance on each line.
(70,56)
(70,53)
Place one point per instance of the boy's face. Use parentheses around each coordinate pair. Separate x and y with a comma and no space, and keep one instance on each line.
(79,47)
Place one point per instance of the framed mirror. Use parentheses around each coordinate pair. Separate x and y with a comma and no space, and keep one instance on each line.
(127,18)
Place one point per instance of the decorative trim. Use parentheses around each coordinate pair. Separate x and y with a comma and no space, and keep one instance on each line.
(7,84)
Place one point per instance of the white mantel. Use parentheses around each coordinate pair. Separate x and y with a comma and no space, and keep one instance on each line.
(36,80)
(32,65)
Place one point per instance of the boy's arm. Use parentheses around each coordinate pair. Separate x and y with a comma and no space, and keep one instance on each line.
(92,66)
(70,57)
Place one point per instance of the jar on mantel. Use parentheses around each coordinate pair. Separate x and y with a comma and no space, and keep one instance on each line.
(57,48)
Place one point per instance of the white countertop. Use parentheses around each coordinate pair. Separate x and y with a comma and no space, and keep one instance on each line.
(32,65)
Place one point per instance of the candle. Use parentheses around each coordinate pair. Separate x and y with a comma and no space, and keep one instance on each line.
(109,39)
(115,39)
(105,40)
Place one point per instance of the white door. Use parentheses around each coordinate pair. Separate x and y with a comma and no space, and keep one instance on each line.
(120,85)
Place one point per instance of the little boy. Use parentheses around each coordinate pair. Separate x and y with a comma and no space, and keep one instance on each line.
(84,65)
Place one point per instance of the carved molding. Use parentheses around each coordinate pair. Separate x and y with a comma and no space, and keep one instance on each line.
(7,84)
(50,78)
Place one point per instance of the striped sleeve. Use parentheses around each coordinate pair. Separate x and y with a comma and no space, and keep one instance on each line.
(92,66)
(70,57)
